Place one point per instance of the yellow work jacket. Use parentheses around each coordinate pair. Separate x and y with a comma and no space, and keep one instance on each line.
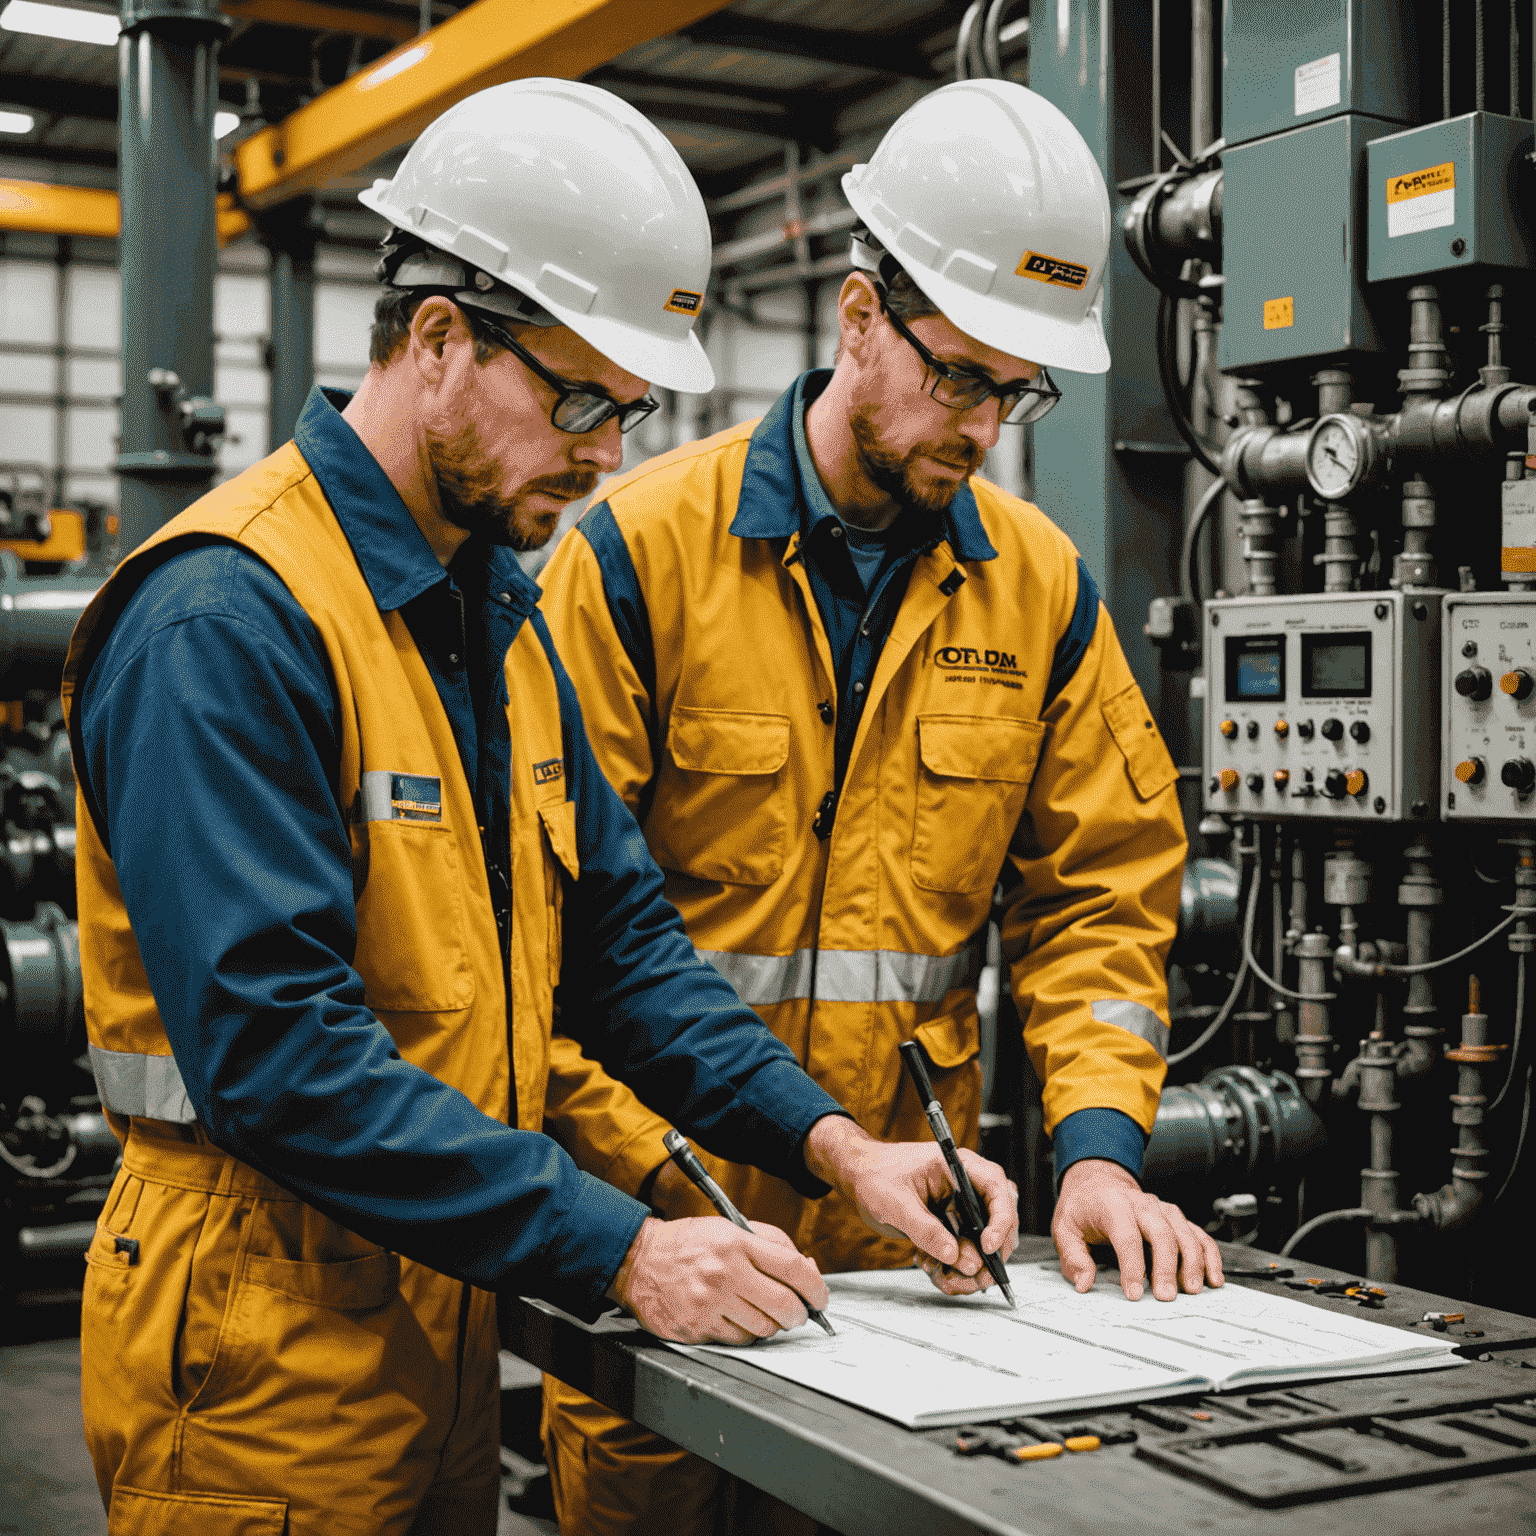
(427,943)
(1002,726)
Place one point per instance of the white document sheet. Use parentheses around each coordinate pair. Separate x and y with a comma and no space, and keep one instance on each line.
(907,1352)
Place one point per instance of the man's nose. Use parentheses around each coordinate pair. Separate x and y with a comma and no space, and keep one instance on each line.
(980,424)
(603,447)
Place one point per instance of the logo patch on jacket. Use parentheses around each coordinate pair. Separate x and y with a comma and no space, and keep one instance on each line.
(547,772)
(977,664)
(389,796)
(1051,269)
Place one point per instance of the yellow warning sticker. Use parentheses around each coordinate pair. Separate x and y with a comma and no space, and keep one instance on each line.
(1421,200)
(684,302)
(1435,178)
(1279,313)
(1051,269)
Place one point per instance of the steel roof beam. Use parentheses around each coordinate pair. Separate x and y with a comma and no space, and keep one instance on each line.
(391,101)
(879,53)
(52,210)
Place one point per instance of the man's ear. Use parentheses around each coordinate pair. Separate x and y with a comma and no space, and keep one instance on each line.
(434,319)
(858,312)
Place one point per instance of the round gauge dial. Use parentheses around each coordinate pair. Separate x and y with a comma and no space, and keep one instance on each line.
(1338,455)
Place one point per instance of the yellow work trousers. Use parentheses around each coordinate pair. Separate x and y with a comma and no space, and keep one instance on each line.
(251,1368)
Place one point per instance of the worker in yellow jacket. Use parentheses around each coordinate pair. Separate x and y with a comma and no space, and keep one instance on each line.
(847,690)
(339,826)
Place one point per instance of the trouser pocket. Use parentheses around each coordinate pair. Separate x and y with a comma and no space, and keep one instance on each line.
(138,1512)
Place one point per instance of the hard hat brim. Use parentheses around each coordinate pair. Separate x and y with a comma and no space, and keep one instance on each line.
(1074,346)
(677,363)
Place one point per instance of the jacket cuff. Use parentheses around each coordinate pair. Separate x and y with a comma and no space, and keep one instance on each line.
(1109,1134)
(595,1232)
(787,1103)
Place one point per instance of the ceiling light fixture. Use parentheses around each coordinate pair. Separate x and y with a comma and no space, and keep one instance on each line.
(225,122)
(65,22)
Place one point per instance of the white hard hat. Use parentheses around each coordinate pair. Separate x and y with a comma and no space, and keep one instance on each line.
(993,204)
(567,194)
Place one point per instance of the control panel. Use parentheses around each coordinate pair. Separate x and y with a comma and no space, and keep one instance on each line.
(1488,694)
(1323,706)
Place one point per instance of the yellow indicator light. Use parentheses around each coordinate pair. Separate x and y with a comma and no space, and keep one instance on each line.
(1282,729)
(1229,729)
(1229,778)
(1282,777)
(1354,781)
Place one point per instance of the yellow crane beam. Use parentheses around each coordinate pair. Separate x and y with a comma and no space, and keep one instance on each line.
(390,102)
(50,210)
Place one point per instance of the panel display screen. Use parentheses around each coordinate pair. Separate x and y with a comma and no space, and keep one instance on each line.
(1336,666)
(1255,667)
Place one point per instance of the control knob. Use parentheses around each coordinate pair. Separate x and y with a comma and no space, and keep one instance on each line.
(1229,729)
(1519,774)
(1360,731)
(1475,683)
(1253,730)
(1282,777)
(1334,784)
(1355,782)
(1305,730)
(1256,783)
(1472,771)
(1518,684)
(1229,778)
(1333,730)
(1282,729)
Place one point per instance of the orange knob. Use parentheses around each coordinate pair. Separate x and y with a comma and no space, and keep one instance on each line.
(1517,684)
(1355,781)
(1472,771)
(1229,778)
(1282,777)
(1229,729)
(1282,730)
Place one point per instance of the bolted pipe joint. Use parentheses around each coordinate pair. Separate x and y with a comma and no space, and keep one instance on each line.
(182,21)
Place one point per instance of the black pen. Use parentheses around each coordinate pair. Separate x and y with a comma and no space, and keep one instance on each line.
(967,1206)
(682,1154)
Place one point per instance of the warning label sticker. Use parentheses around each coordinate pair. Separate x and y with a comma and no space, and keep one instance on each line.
(1051,269)
(684,302)
(1519,520)
(1420,200)
(1317,85)
(1279,314)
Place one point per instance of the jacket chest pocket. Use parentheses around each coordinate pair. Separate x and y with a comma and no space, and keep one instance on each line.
(721,810)
(973,777)
(410,918)
(559,824)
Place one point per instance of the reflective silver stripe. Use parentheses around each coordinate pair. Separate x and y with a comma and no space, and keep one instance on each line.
(1135,1017)
(849,975)
(131,1084)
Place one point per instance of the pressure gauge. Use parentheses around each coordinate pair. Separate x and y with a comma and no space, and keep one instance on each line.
(1342,456)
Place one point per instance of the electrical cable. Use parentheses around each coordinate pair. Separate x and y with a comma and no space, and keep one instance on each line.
(1225,1011)
(1172,392)
(28,1169)
(1275,986)
(1328,1219)
(1514,1049)
(1525,1121)
(1384,968)
(1189,563)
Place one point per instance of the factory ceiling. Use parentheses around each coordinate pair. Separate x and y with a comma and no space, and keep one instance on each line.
(735,87)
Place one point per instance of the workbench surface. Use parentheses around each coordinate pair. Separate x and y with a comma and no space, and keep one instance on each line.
(865,1476)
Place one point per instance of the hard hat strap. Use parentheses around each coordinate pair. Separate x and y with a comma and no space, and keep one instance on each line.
(407,261)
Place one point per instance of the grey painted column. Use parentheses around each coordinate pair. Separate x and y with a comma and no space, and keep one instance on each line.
(167,171)
(290,234)
(1108,469)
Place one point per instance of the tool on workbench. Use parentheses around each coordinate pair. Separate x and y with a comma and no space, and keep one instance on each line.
(994,1440)
(968,1212)
(682,1154)
(1440,1321)
(1076,1437)
(1262,1272)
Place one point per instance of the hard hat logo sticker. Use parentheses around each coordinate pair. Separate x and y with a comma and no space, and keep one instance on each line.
(1051,269)
(684,302)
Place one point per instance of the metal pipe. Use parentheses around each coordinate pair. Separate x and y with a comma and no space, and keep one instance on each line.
(1202,58)
(1314,1033)
(290,241)
(1455,1203)
(167,172)
(1378,1182)
(1513,50)
(1445,58)
(1481,101)
(37,617)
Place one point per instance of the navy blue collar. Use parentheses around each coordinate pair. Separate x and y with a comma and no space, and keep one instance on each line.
(772,495)
(391,551)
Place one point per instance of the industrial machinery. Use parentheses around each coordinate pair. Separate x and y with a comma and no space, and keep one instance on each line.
(1345,339)
(57,1154)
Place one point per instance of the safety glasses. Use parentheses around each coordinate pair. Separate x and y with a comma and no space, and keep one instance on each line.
(1018,400)
(579,407)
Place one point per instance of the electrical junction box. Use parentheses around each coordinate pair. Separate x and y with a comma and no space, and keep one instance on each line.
(1292,62)
(1293,247)
(1449,195)
(1323,707)
(1488,761)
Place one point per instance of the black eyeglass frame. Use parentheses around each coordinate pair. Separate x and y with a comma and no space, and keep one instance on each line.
(630,415)
(1018,390)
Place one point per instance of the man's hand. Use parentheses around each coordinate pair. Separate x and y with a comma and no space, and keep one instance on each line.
(707,1282)
(1101,1203)
(890,1184)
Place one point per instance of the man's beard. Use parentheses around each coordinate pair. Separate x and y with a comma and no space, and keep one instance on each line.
(898,475)
(469,493)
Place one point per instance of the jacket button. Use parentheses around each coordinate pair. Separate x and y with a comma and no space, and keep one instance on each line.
(858,687)
(837,532)
(453,656)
